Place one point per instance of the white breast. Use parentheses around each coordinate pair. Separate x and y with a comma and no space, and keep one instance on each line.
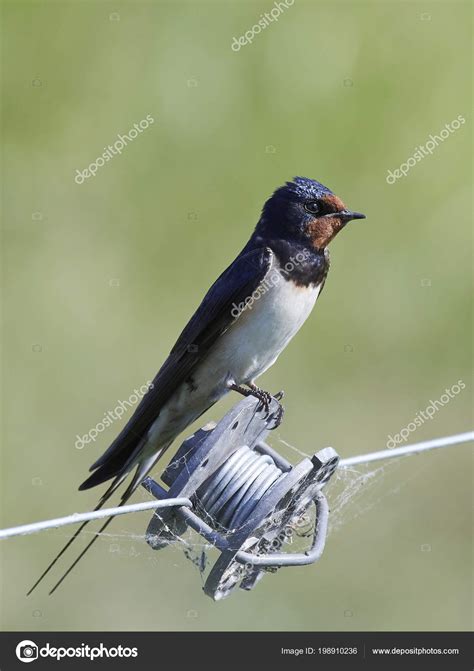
(263,329)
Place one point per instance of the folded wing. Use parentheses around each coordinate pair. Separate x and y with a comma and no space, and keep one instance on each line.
(212,318)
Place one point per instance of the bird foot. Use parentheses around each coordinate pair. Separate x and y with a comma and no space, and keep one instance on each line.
(278,416)
(265,399)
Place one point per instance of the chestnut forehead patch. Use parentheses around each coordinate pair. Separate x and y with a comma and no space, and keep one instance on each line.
(333,203)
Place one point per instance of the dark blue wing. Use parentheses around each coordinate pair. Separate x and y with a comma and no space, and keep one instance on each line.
(212,318)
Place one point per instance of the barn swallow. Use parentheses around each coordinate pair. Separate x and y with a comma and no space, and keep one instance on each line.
(246,319)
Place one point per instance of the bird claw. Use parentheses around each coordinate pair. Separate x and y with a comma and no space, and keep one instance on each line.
(265,399)
(265,403)
(278,416)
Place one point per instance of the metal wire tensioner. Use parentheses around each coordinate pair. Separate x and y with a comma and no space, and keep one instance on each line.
(248,500)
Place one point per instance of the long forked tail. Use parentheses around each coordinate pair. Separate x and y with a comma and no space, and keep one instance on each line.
(125,498)
(142,470)
(60,554)
(104,498)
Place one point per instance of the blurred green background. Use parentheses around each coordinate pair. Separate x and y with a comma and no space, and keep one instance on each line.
(99,278)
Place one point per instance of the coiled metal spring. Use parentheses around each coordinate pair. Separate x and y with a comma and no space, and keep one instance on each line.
(235,489)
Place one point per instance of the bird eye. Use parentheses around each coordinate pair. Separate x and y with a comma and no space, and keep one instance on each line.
(312,206)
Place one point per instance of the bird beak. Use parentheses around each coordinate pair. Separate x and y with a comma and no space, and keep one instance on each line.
(347,215)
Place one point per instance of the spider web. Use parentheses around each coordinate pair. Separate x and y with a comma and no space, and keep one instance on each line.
(356,490)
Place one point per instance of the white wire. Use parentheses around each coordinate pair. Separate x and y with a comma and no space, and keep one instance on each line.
(458,439)
(416,448)
(95,515)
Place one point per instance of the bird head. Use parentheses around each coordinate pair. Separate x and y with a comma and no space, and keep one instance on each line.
(304,211)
